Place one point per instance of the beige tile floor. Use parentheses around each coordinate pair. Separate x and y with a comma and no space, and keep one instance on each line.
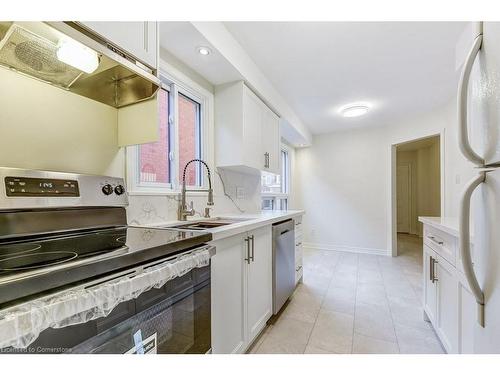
(355,303)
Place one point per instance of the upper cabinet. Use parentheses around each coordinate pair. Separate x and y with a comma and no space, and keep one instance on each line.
(140,39)
(247,131)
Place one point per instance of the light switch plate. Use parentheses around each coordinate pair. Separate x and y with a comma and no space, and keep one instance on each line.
(240,193)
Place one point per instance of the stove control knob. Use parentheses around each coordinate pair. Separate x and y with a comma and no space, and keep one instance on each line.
(107,189)
(119,189)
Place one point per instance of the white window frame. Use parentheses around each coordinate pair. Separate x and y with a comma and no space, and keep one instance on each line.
(176,82)
(285,184)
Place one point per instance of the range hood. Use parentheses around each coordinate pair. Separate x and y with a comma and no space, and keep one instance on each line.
(68,56)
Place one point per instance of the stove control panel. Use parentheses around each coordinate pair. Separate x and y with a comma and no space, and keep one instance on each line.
(27,188)
(40,187)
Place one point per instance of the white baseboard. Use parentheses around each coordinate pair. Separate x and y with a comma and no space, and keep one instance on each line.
(348,249)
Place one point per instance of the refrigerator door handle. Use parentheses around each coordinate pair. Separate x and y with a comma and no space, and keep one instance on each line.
(464,244)
(463,136)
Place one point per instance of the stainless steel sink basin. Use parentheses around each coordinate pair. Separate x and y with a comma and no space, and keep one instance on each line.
(207,224)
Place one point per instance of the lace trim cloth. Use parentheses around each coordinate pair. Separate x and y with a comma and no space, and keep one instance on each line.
(20,325)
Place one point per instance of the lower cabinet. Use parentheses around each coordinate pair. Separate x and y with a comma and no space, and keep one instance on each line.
(446,306)
(429,284)
(441,298)
(241,289)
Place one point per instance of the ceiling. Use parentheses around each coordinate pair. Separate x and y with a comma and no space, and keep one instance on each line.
(401,68)
(182,39)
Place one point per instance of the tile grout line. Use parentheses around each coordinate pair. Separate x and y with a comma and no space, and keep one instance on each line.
(390,310)
(321,305)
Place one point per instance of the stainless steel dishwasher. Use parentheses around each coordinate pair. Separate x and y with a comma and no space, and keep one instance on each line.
(283,263)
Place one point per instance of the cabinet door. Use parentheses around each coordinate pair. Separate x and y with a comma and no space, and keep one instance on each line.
(138,38)
(259,282)
(228,295)
(447,305)
(271,141)
(252,130)
(429,286)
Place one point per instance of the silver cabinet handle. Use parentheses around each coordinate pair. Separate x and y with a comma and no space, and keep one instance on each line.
(433,239)
(247,240)
(434,278)
(463,136)
(252,257)
(464,243)
(431,268)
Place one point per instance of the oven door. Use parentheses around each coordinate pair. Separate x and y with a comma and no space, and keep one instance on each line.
(170,317)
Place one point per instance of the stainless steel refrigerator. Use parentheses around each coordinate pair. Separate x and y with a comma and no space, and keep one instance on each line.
(479,141)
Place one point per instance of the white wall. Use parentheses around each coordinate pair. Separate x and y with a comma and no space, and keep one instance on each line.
(344,180)
(44,127)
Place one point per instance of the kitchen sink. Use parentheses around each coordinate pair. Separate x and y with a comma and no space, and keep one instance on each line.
(207,224)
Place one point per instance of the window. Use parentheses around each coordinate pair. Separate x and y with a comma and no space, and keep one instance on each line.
(158,167)
(154,161)
(275,188)
(189,139)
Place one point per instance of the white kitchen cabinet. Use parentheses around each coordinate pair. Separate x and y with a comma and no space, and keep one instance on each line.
(448,302)
(252,129)
(140,39)
(259,281)
(241,289)
(430,292)
(247,132)
(298,249)
(271,141)
(446,323)
(228,295)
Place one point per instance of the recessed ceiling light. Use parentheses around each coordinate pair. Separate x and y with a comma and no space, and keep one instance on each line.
(354,109)
(205,51)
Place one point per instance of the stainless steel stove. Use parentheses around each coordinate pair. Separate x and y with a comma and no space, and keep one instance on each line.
(66,235)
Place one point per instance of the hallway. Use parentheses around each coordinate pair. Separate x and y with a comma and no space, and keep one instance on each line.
(355,303)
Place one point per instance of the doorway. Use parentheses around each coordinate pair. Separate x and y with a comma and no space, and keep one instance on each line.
(417,191)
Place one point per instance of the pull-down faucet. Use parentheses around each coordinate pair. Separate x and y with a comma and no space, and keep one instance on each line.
(184,211)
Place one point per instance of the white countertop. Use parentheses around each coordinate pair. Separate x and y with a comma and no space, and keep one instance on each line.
(246,222)
(446,224)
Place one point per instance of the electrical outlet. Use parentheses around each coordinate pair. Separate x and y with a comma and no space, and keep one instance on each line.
(240,192)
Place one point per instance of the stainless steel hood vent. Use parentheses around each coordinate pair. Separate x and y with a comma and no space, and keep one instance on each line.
(31,48)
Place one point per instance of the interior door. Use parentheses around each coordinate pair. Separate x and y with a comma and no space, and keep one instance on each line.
(403,198)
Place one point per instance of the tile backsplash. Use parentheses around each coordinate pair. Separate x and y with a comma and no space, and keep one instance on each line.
(154,209)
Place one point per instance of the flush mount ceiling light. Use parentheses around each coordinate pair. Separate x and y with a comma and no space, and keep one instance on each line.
(354,109)
(205,51)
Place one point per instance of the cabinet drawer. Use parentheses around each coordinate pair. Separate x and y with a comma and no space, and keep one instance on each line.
(442,243)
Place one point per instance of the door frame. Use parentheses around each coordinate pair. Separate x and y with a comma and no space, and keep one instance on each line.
(393,221)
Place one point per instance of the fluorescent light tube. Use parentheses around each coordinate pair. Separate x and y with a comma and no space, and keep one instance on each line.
(78,56)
